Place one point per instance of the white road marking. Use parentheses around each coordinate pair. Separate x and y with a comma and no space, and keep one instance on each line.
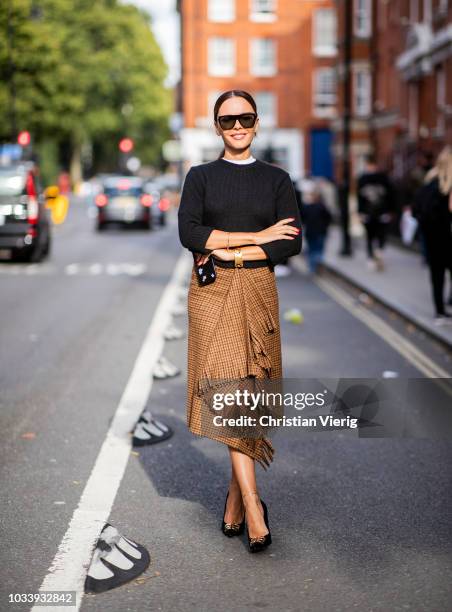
(113,269)
(129,268)
(27,269)
(398,342)
(72,269)
(68,569)
(32,269)
(134,269)
(95,269)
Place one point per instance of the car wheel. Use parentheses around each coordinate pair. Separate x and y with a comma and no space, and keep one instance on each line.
(35,255)
(47,246)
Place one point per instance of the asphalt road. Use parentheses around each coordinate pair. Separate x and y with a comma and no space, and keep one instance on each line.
(357,523)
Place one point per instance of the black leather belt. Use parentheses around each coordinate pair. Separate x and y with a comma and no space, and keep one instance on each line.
(257,263)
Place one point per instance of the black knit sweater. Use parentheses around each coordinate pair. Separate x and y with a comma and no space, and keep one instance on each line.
(238,198)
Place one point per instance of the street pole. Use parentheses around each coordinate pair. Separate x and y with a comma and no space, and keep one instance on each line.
(11,70)
(344,190)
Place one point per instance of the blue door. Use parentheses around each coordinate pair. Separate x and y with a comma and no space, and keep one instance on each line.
(321,157)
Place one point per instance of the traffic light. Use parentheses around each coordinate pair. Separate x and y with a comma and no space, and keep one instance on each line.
(126,145)
(24,138)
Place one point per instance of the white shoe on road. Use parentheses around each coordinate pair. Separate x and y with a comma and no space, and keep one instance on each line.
(444,319)
(282,271)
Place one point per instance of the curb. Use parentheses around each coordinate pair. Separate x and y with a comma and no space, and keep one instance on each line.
(403,312)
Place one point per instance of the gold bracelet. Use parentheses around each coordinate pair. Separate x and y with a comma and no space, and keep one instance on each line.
(238,258)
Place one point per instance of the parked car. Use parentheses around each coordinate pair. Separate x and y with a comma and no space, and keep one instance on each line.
(123,200)
(160,204)
(25,232)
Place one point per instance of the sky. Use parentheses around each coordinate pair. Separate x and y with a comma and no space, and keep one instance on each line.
(165,25)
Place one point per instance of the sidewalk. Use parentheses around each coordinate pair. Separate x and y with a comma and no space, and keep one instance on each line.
(404,286)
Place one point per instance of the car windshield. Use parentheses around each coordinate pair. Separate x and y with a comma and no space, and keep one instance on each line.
(122,187)
(113,192)
(11,182)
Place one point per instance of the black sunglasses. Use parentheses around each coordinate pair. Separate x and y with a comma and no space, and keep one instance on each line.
(246,120)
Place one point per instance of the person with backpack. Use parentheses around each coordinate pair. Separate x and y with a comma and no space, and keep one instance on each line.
(375,207)
(433,210)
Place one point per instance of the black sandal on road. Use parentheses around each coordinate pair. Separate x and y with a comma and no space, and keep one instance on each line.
(260,543)
(149,430)
(116,560)
(164,369)
(231,529)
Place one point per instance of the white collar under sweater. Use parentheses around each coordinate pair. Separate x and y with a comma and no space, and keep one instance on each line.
(248,160)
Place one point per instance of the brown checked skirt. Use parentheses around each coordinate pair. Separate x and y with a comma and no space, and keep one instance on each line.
(234,335)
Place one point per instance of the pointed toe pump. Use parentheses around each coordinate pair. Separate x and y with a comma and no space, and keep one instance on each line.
(260,543)
(231,529)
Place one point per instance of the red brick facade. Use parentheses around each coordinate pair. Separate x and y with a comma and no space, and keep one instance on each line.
(291,29)
(409,54)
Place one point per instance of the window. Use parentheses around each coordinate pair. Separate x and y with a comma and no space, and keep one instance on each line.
(262,57)
(325,92)
(324,32)
(443,7)
(382,15)
(441,85)
(221,56)
(262,10)
(362,92)
(266,108)
(414,11)
(413,109)
(221,10)
(427,11)
(362,18)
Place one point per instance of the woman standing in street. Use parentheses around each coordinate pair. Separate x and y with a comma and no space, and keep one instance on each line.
(433,209)
(241,213)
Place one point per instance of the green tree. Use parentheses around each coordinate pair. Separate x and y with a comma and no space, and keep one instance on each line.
(83,72)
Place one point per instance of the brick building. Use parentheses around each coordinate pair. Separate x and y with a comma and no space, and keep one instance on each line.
(284,53)
(401,81)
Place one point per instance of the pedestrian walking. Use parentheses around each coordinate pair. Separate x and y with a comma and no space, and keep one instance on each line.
(375,207)
(433,209)
(315,219)
(239,217)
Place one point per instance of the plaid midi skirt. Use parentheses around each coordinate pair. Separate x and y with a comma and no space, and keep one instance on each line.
(234,334)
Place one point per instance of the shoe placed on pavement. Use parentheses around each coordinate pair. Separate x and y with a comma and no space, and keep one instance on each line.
(282,271)
(173,333)
(115,561)
(178,310)
(442,319)
(164,369)
(149,430)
